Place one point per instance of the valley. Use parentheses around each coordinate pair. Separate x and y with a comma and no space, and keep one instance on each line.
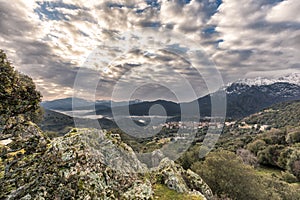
(63,151)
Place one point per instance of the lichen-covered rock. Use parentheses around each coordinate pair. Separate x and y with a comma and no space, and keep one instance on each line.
(156,157)
(171,175)
(17,157)
(84,164)
(176,178)
(196,183)
(140,190)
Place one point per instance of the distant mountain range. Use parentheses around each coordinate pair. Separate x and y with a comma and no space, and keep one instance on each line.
(293,78)
(68,104)
(244,100)
(244,97)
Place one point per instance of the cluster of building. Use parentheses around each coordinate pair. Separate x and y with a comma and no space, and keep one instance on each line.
(244,125)
(193,125)
(174,126)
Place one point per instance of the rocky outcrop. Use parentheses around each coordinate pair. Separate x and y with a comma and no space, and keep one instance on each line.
(84,164)
(180,180)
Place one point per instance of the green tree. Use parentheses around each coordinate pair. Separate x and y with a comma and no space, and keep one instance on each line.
(294,163)
(189,157)
(270,155)
(293,137)
(18,96)
(226,174)
(256,146)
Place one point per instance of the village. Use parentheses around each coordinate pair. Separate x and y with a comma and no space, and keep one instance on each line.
(196,131)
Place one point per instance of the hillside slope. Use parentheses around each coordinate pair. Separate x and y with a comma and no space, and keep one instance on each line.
(278,116)
(263,148)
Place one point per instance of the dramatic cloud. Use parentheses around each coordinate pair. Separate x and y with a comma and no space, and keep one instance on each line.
(22,36)
(54,40)
(250,42)
(286,11)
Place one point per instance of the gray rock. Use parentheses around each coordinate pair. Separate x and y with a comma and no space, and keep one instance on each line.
(140,190)
(180,180)
(86,164)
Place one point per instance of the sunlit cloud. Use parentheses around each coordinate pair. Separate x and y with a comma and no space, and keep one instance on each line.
(52,40)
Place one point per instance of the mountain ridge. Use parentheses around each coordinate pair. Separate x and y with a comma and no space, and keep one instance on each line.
(244,97)
(293,78)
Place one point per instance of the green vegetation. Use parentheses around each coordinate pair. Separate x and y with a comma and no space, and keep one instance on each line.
(251,163)
(278,116)
(162,192)
(61,124)
(18,95)
(189,157)
(293,136)
(247,163)
(293,164)
(55,122)
(226,174)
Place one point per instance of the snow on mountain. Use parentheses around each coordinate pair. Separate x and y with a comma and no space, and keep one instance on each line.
(290,78)
(286,85)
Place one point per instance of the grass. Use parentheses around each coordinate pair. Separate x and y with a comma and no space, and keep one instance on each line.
(262,170)
(162,192)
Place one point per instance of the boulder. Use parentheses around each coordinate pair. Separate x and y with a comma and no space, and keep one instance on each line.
(180,180)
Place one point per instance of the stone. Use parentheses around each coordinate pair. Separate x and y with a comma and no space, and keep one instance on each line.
(180,180)
(140,190)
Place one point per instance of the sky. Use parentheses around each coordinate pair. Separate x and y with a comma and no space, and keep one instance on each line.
(162,49)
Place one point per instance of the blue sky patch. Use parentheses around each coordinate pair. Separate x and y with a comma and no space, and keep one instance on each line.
(48,10)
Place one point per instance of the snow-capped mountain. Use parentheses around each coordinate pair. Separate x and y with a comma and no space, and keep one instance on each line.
(287,83)
(248,96)
(258,81)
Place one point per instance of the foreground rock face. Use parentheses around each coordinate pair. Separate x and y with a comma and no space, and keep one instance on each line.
(85,164)
(180,180)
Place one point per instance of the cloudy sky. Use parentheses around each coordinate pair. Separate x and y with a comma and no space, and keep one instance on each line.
(172,49)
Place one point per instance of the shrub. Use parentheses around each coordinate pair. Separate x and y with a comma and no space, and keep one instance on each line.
(247,157)
(256,146)
(270,155)
(189,157)
(288,177)
(284,157)
(293,137)
(280,190)
(294,164)
(275,136)
(226,174)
